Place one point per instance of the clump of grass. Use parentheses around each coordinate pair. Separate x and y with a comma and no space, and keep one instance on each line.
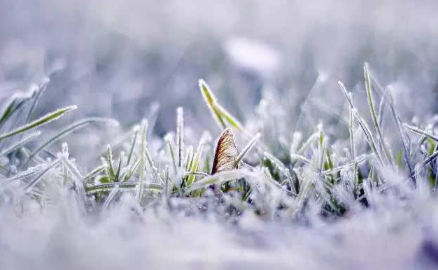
(269,183)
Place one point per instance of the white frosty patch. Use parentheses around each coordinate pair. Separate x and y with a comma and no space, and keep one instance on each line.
(253,55)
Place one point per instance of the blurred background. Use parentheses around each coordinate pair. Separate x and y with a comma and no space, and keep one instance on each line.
(124,58)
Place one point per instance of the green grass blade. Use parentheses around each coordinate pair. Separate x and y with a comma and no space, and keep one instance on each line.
(189,158)
(195,164)
(368,88)
(421,132)
(120,165)
(131,171)
(75,171)
(219,113)
(21,143)
(13,106)
(247,148)
(352,146)
(39,122)
(301,159)
(230,119)
(169,141)
(36,98)
(136,129)
(153,167)
(26,174)
(110,161)
(218,178)
(307,143)
(142,167)
(94,172)
(110,198)
(210,100)
(35,181)
(122,186)
(362,123)
(68,130)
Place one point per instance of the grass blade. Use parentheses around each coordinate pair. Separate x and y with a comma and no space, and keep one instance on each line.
(124,185)
(195,163)
(421,132)
(16,103)
(35,181)
(247,148)
(94,172)
(39,122)
(21,143)
(169,141)
(142,168)
(68,130)
(362,123)
(110,198)
(136,129)
(37,95)
(217,179)
(180,135)
(368,88)
(210,100)
(230,119)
